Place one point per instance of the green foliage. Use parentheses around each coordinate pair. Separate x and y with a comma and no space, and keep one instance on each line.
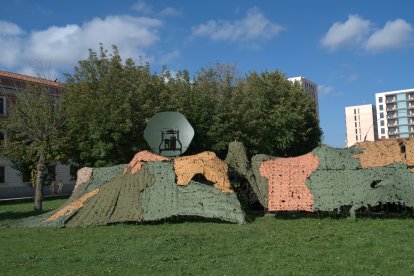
(35,127)
(109,103)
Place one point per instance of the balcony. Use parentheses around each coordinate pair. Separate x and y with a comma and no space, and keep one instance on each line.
(391,108)
(390,100)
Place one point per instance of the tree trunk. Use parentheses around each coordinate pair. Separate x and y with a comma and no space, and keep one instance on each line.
(40,168)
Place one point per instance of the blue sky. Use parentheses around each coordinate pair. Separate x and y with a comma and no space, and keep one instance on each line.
(351,49)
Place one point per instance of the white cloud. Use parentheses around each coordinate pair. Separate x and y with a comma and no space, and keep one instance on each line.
(143,7)
(325,89)
(352,77)
(63,46)
(167,58)
(251,28)
(169,11)
(395,34)
(9,29)
(10,43)
(358,33)
(346,34)
(44,73)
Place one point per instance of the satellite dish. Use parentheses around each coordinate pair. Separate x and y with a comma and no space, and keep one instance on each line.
(168,133)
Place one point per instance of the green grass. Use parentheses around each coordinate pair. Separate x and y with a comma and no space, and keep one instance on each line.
(268,246)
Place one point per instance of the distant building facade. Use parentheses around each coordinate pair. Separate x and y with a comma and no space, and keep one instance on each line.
(12,183)
(361,124)
(309,87)
(395,111)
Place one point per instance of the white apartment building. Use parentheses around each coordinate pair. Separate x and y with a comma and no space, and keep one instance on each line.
(395,111)
(360,123)
(309,87)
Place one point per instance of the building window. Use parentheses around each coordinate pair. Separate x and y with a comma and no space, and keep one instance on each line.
(382,137)
(381,107)
(382,115)
(2,174)
(27,176)
(382,123)
(2,138)
(380,99)
(382,130)
(354,111)
(356,131)
(73,172)
(51,174)
(356,124)
(356,137)
(355,118)
(2,105)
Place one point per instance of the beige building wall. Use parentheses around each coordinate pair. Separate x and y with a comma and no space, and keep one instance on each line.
(310,88)
(360,124)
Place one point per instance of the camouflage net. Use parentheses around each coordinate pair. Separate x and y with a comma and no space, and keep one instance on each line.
(145,192)
(73,206)
(340,181)
(332,180)
(141,157)
(237,160)
(326,179)
(386,152)
(287,182)
(205,163)
(337,180)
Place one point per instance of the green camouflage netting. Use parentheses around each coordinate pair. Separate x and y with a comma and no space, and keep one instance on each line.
(151,194)
(340,181)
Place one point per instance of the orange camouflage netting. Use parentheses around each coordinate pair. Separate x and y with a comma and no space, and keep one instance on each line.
(73,206)
(287,182)
(386,152)
(143,156)
(205,163)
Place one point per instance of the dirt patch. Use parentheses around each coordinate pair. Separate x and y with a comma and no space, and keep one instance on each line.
(142,156)
(73,206)
(205,163)
(287,182)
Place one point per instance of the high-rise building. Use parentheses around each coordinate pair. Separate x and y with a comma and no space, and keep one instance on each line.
(309,87)
(395,111)
(360,124)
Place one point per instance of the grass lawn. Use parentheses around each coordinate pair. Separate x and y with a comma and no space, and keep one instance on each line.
(268,246)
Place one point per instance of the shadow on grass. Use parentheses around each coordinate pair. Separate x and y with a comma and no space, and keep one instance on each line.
(381,211)
(10,215)
(181,219)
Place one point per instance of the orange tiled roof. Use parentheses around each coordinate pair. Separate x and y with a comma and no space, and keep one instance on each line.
(30,79)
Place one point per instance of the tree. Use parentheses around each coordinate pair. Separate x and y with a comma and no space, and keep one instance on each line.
(36,134)
(110,102)
(279,117)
